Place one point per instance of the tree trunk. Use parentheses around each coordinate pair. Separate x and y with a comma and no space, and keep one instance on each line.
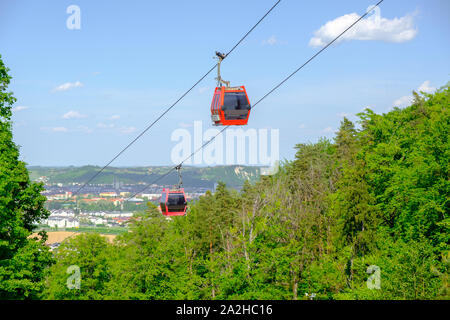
(295,288)
(213,292)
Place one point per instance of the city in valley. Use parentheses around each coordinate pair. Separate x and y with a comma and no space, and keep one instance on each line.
(99,206)
(102,208)
(108,205)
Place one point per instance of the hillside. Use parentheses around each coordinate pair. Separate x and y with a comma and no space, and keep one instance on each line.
(233,176)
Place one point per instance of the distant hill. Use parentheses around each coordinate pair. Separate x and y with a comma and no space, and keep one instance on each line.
(234,176)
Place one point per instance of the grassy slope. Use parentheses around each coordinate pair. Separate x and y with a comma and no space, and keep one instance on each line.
(233,176)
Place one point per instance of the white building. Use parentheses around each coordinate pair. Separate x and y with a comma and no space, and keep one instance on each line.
(151,196)
(118,215)
(59,222)
(96,220)
(97,214)
(62,213)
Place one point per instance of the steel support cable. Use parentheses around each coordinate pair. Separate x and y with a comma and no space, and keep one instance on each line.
(175,103)
(270,92)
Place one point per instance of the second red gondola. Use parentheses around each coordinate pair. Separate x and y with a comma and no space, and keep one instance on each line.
(173,202)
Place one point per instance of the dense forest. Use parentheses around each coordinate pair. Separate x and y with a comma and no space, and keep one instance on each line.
(375,196)
(373,201)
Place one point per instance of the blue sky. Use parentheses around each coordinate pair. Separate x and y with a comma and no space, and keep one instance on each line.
(85,94)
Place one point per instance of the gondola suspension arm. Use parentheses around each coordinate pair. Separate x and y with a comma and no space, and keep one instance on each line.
(180,180)
(220,56)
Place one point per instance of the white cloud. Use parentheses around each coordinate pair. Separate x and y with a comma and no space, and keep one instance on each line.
(425,87)
(19,108)
(302,126)
(127,130)
(403,101)
(114,117)
(96,73)
(373,27)
(343,114)
(85,129)
(271,41)
(327,130)
(55,129)
(407,100)
(68,85)
(123,130)
(105,126)
(73,115)
(60,129)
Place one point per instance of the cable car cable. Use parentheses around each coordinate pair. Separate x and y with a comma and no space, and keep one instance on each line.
(319,52)
(179,99)
(272,90)
(181,163)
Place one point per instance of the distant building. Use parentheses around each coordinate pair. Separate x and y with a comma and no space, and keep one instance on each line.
(117,184)
(121,221)
(96,220)
(59,222)
(116,201)
(151,196)
(194,195)
(62,213)
(108,194)
(93,199)
(95,214)
(118,215)
(42,179)
(60,196)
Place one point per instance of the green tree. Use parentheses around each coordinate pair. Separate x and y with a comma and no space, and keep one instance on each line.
(22,260)
(91,253)
(407,157)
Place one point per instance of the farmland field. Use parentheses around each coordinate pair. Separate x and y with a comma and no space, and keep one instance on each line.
(60,236)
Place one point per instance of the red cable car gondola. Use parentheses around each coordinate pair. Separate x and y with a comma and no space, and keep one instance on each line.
(173,201)
(230,105)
